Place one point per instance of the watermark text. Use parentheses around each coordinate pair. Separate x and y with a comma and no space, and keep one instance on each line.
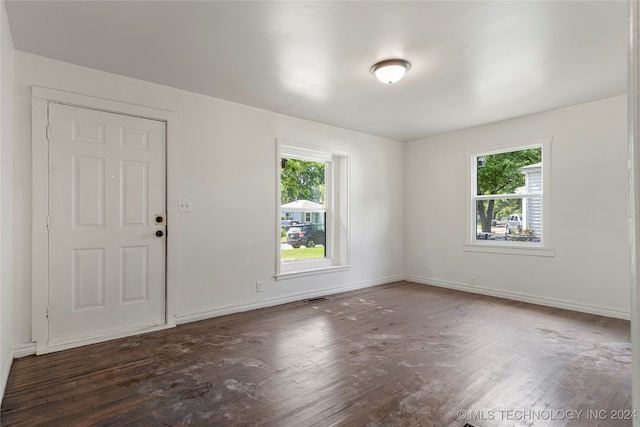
(546,414)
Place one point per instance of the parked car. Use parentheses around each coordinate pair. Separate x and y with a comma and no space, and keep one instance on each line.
(306,234)
(513,222)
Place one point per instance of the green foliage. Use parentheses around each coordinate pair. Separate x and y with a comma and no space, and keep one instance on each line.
(302,180)
(501,173)
(504,208)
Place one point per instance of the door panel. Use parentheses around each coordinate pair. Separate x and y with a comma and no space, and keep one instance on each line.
(87,271)
(134,280)
(87,191)
(134,194)
(106,184)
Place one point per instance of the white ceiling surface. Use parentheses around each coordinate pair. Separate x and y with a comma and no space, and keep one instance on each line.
(472,62)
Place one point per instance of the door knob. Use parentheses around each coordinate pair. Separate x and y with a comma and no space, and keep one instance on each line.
(159,233)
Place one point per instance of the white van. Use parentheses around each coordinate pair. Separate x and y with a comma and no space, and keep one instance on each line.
(513,223)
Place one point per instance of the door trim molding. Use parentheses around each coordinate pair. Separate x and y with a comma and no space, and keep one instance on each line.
(633,123)
(40,98)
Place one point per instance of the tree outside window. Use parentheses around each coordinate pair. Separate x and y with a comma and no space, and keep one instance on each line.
(302,180)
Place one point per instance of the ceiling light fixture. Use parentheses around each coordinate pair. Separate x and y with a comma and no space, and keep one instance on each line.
(391,70)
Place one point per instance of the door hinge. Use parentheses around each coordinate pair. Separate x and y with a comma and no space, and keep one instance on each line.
(48,222)
(47,313)
(48,132)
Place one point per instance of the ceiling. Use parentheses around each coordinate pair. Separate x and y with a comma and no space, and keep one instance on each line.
(472,62)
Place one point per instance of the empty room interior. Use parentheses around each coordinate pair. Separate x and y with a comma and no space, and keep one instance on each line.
(316,213)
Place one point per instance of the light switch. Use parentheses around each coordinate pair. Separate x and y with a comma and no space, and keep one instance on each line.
(184,206)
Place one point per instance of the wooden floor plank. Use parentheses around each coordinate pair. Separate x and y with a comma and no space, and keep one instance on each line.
(396,354)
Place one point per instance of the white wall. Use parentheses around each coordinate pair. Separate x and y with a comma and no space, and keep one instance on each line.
(590,269)
(226,166)
(6,199)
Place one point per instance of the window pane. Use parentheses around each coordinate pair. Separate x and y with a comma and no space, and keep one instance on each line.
(302,180)
(302,188)
(532,210)
(504,173)
(304,241)
(509,219)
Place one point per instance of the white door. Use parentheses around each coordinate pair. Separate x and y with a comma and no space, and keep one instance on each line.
(106,186)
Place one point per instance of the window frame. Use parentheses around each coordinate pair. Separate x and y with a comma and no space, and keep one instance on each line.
(336,209)
(542,248)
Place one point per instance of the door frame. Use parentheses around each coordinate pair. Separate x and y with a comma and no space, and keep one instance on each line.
(633,123)
(40,99)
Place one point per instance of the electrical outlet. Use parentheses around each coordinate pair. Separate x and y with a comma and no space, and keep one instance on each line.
(259,286)
(472,280)
(184,206)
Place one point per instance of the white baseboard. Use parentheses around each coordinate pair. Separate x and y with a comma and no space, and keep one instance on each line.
(282,300)
(53,347)
(23,350)
(6,368)
(567,305)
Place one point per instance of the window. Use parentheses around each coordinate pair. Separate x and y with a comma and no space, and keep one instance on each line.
(509,201)
(303,202)
(312,211)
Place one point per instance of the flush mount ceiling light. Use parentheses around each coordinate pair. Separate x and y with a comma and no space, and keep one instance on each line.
(390,70)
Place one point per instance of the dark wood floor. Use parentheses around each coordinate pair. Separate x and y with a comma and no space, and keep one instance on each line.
(395,355)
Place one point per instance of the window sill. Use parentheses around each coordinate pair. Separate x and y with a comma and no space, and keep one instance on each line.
(509,250)
(312,271)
